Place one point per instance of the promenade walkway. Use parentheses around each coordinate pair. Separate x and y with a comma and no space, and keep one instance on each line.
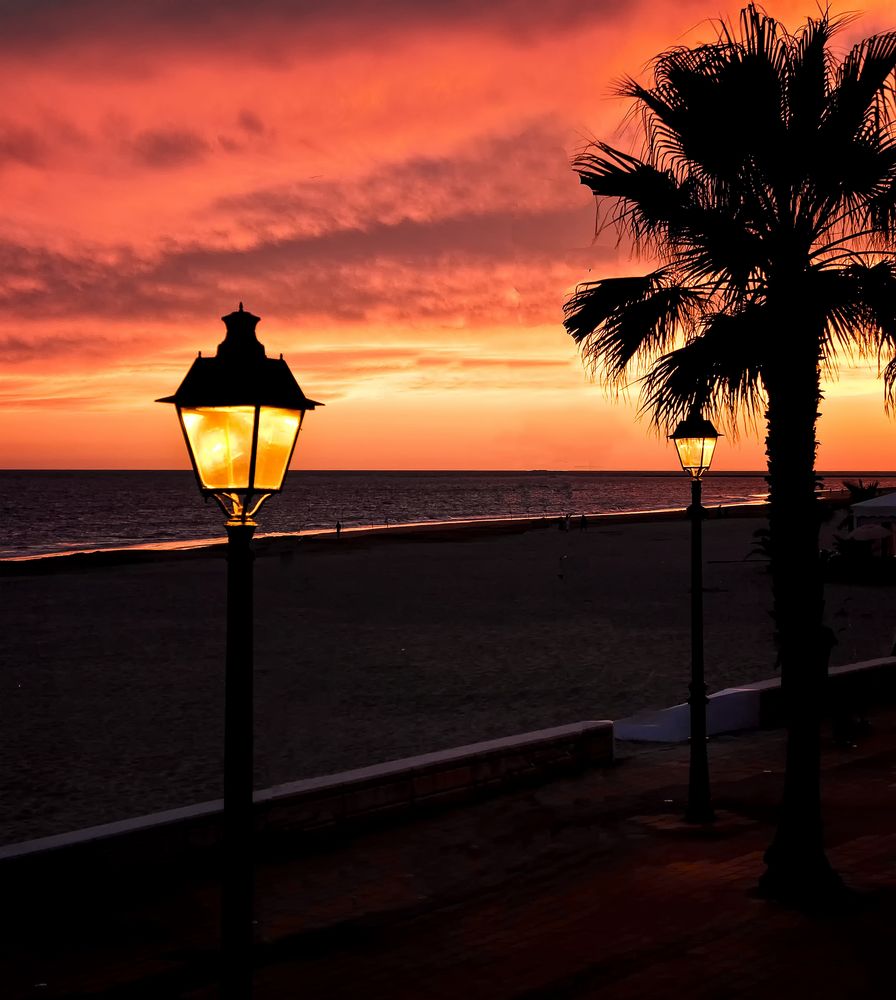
(586,887)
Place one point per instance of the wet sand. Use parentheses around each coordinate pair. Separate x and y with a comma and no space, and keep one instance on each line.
(368,648)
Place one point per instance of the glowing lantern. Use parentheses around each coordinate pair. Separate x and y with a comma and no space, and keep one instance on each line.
(695,439)
(241,413)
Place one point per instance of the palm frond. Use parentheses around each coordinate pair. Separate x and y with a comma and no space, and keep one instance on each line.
(647,200)
(857,306)
(808,79)
(882,207)
(617,321)
(718,371)
(889,375)
(862,89)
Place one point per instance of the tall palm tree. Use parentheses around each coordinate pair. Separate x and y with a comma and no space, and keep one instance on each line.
(766,192)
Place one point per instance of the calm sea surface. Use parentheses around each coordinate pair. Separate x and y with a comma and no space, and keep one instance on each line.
(51,512)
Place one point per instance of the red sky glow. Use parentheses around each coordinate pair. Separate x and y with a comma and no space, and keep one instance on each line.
(386,184)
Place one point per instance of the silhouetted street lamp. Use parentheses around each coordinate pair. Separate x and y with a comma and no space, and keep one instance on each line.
(695,439)
(240,413)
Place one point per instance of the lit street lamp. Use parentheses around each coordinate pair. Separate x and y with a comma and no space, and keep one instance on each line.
(240,412)
(695,439)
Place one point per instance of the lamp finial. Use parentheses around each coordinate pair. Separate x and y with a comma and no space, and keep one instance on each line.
(241,342)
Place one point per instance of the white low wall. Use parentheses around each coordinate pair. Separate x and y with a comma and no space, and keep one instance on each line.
(751,706)
(428,779)
(727,711)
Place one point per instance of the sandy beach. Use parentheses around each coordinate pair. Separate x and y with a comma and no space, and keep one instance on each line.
(368,648)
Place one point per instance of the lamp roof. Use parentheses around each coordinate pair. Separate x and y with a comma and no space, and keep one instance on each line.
(240,373)
(695,425)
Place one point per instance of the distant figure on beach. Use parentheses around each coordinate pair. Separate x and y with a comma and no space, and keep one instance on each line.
(338,528)
(583,523)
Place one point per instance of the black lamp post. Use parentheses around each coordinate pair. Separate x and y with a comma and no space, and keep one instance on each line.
(240,413)
(695,439)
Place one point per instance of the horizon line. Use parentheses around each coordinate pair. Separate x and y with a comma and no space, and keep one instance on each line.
(481,471)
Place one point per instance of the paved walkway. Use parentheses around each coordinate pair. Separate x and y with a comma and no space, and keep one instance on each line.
(587,887)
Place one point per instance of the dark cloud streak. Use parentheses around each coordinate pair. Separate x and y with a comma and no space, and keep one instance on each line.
(19,144)
(520,171)
(167,148)
(331,275)
(280,26)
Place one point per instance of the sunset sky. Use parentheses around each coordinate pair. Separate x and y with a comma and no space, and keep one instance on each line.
(386,184)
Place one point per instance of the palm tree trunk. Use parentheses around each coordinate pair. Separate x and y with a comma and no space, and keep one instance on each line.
(797,867)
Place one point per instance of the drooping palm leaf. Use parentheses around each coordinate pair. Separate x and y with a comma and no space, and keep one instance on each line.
(719,372)
(857,305)
(621,319)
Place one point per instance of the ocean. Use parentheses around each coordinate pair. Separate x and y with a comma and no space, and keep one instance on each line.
(43,513)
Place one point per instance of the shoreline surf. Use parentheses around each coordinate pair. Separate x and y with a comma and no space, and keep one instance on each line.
(146,551)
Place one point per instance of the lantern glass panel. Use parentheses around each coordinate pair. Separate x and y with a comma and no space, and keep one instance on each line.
(220,440)
(277,431)
(695,453)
